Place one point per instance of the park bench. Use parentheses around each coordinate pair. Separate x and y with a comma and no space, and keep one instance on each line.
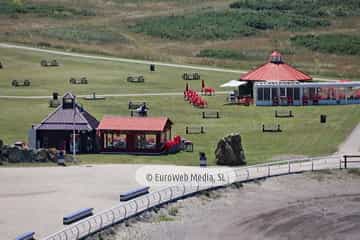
(191,76)
(138,114)
(82,80)
(210,114)
(26,236)
(283,114)
(195,129)
(18,83)
(78,215)
(52,63)
(271,128)
(93,97)
(136,79)
(135,105)
(134,193)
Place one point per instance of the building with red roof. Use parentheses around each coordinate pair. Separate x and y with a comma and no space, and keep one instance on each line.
(275,70)
(134,134)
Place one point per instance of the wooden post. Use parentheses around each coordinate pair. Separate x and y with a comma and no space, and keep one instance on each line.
(263,128)
(187,130)
(202,129)
(289,169)
(203,114)
(217,115)
(345,163)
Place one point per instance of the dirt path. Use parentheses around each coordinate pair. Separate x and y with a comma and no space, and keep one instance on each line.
(319,205)
(352,143)
(110,95)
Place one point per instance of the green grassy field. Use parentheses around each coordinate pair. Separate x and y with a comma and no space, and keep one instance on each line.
(180,30)
(302,135)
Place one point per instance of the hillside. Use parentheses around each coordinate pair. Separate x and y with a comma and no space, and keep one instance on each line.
(237,34)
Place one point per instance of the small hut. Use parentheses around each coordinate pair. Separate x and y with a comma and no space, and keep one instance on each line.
(57,129)
(134,134)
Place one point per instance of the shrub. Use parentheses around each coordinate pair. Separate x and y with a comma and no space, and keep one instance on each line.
(42,10)
(316,8)
(330,43)
(222,24)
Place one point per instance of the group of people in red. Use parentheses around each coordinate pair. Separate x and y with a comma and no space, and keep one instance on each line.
(173,145)
(194,98)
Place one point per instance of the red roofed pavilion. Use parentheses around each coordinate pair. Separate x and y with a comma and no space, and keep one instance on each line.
(275,70)
(134,134)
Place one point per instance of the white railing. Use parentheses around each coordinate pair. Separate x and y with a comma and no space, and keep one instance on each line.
(134,207)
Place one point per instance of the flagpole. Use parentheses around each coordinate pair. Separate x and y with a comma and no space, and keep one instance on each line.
(74,150)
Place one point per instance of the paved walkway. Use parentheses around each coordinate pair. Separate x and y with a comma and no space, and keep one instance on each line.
(110,95)
(352,143)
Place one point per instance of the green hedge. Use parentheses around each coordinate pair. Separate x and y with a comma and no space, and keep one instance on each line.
(315,8)
(42,10)
(223,24)
(330,43)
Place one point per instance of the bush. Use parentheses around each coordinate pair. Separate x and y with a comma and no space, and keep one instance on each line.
(222,24)
(41,10)
(330,43)
(315,8)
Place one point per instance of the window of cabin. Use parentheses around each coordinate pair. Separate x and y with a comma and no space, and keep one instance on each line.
(146,141)
(119,141)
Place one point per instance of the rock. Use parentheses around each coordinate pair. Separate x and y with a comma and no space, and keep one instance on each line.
(42,155)
(15,155)
(229,151)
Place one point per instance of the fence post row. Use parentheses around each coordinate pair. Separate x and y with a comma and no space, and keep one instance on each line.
(88,228)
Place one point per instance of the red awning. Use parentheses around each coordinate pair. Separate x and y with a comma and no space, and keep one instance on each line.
(133,123)
(275,70)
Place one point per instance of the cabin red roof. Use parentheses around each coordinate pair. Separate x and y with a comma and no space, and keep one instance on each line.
(275,70)
(133,123)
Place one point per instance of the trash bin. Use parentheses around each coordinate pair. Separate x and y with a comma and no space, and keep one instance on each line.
(152,67)
(322,118)
(203,160)
(55,96)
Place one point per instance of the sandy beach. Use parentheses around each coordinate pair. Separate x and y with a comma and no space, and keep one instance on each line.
(318,205)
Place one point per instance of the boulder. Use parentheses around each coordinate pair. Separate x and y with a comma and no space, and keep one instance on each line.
(229,151)
(42,155)
(15,155)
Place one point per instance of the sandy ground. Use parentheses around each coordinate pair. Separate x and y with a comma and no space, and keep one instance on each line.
(321,205)
(36,199)
(352,143)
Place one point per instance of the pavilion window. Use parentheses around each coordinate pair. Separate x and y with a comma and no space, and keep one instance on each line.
(296,93)
(260,94)
(274,93)
(282,92)
(290,92)
(146,141)
(267,94)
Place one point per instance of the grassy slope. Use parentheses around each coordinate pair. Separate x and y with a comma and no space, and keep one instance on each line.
(115,16)
(302,135)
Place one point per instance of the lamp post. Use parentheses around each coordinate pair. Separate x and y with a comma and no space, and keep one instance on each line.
(74,140)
